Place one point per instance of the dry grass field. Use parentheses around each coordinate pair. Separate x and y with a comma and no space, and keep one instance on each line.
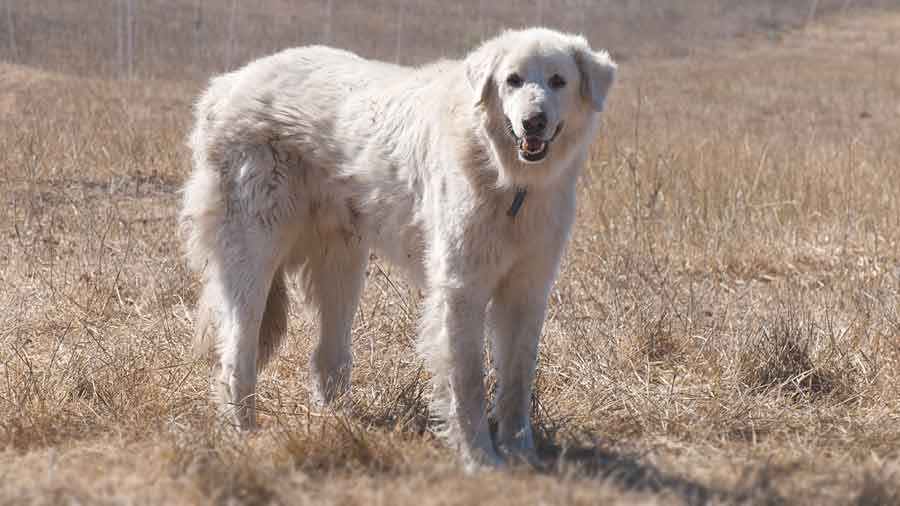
(725,330)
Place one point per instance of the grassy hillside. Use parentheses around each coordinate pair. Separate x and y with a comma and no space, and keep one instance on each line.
(189,39)
(726,328)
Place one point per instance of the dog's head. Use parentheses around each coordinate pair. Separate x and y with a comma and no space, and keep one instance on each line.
(541,92)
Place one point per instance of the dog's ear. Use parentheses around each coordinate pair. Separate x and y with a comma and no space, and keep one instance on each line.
(480,66)
(598,72)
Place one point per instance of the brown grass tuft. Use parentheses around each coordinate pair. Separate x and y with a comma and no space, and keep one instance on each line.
(779,358)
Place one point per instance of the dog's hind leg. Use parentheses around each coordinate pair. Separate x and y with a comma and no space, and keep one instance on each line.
(241,286)
(239,233)
(332,277)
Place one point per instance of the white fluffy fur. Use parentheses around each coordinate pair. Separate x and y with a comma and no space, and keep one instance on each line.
(306,160)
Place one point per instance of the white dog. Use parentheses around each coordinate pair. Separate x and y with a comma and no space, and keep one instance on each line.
(462,172)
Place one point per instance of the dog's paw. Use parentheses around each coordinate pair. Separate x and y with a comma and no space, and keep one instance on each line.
(478,460)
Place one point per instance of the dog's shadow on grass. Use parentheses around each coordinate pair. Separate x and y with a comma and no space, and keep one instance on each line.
(628,472)
(585,457)
(632,473)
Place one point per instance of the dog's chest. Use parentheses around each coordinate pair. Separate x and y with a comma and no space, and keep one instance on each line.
(534,220)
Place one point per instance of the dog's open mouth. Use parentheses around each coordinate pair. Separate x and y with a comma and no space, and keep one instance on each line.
(532,148)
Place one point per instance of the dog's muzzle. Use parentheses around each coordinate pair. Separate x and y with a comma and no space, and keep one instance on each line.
(532,148)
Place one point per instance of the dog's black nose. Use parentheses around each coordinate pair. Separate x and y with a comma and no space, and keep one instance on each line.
(535,124)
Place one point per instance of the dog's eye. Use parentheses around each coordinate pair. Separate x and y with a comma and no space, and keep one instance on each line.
(514,80)
(557,82)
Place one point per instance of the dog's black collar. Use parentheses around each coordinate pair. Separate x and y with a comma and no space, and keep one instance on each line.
(517,202)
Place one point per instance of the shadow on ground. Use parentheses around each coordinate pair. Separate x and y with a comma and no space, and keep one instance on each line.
(633,473)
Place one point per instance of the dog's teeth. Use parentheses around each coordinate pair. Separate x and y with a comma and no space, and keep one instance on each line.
(532,147)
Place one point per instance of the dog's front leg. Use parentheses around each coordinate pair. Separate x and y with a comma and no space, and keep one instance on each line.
(516,328)
(453,344)
(516,317)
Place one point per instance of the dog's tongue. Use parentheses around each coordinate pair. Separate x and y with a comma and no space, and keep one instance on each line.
(532,144)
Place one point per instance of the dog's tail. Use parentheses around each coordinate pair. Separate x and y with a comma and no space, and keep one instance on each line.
(203,218)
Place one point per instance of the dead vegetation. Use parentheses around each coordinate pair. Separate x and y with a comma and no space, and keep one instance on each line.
(726,328)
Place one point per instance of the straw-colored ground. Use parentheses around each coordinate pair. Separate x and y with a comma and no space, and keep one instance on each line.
(726,327)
